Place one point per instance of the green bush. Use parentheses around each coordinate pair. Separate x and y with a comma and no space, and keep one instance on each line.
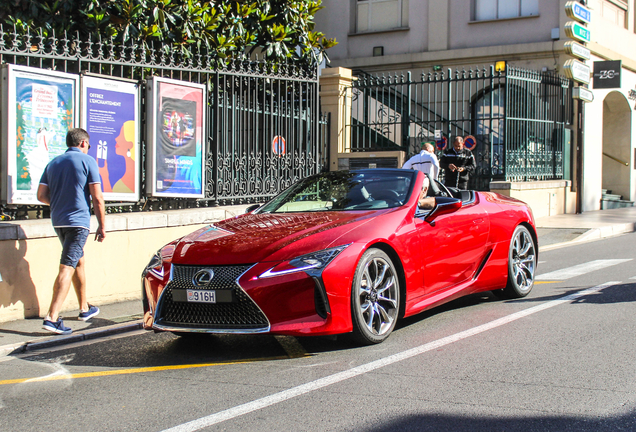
(275,29)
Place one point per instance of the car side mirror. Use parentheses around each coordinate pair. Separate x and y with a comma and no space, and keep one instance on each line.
(443,205)
(251,208)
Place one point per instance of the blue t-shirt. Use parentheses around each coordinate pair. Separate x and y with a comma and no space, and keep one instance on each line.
(68,177)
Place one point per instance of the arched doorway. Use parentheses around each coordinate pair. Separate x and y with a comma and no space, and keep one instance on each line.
(616,145)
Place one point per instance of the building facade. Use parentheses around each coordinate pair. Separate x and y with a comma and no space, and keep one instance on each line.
(387,36)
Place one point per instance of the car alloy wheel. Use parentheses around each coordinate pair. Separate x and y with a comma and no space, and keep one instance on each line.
(522,264)
(375,297)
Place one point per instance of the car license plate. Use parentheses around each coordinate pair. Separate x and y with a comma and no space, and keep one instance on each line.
(201,296)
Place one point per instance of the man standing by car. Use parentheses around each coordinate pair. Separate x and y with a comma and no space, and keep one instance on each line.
(67,185)
(458,164)
(425,161)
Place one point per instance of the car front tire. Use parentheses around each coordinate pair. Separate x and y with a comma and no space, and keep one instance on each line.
(375,298)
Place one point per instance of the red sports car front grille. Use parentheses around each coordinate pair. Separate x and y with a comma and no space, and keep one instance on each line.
(239,314)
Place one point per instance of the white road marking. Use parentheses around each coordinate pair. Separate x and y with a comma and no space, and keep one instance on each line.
(580,269)
(633,277)
(282,396)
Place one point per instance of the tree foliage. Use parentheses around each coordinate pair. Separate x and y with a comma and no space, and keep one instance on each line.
(278,29)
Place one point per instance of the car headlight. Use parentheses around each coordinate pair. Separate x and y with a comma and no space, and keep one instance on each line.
(313,262)
(155,261)
(163,255)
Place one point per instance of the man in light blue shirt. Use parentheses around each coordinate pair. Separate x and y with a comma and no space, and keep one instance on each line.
(68,183)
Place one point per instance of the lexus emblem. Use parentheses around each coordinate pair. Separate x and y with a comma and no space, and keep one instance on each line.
(203,277)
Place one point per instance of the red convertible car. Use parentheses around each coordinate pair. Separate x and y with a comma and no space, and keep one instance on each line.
(340,252)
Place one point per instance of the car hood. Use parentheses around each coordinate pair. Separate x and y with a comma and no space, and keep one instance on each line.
(255,238)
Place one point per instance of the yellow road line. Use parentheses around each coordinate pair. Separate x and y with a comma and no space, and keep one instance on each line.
(545,282)
(139,370)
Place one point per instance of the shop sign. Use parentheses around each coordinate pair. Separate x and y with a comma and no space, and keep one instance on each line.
(607,74)
(632,96)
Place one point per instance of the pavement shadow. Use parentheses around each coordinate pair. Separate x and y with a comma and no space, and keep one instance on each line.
(166,349)
(438,422)
(460,303)
(620,293)
(16,285)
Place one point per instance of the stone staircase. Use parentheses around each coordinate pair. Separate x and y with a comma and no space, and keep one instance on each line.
(612,201)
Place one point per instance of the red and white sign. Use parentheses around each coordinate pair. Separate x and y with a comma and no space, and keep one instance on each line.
(441,143)
(470,142)
(279,146)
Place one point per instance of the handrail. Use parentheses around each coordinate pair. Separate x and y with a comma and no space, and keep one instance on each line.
(616,159)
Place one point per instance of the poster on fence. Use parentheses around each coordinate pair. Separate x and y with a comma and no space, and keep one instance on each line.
(176,131)
(38,108)
(110,115)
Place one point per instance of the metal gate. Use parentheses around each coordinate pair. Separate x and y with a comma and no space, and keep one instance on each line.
(518,118)
(250,103)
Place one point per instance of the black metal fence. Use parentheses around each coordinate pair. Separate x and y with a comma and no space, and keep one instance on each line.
(249,103)
(517,117)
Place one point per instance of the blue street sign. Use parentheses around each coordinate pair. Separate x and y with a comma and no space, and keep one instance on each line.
(577,11)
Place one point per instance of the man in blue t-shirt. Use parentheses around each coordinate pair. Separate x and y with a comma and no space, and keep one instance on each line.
(67,185)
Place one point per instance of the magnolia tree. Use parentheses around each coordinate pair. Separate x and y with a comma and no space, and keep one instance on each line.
(277,29)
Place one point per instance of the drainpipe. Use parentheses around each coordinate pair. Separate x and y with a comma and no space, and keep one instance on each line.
(579,156)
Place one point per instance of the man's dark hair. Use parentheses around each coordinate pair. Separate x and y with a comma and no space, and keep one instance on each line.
(74,137)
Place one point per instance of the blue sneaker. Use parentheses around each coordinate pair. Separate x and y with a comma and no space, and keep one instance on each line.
(90,313)
(56,327)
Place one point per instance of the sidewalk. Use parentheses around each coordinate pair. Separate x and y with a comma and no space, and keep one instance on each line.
(556,231)
(28,334)
(553,231)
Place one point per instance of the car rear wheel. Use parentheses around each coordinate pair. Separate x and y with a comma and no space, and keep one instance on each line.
(522,264)
(375,298)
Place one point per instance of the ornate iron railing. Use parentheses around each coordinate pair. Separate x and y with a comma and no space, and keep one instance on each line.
(517,117)
(249,103)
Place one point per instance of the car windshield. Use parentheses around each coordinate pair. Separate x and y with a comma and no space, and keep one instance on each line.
(345,190)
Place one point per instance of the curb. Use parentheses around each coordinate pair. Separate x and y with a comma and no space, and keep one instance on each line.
(595,234)
(606,231)
(22,347)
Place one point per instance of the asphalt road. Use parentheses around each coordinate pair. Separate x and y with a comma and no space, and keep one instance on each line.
(561,359)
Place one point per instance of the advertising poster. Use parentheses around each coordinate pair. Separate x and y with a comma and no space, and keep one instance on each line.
(110,115)
(176,151)
(39,107)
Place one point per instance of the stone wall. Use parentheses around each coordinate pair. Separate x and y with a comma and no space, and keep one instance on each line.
(30,255)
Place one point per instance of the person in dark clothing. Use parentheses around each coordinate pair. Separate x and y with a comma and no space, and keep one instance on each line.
(458,164)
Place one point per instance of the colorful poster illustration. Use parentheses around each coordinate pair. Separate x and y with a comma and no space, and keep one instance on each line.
(40,107)
(176,151)
(110,115)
